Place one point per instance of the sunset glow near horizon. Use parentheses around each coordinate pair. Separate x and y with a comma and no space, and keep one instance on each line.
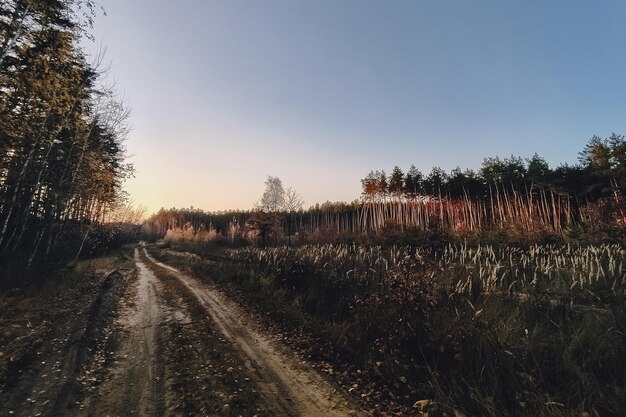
(225,93)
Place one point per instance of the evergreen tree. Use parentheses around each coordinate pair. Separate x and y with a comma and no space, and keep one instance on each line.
(538,170)
(61,151)
(413,182)
(435,183)
(396,181)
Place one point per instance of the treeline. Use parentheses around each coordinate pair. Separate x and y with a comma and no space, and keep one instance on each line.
(171,219)
(61,131)
(525,194)
(509,195)
(601,172)
(195,224)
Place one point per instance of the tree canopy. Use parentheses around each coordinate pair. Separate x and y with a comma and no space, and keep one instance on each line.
(62,157)
(601,172)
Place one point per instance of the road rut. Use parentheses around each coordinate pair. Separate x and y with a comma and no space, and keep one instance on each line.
(286,384)
(135,380)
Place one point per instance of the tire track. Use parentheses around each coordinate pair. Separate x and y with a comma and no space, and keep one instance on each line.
(288,387)
(135,380)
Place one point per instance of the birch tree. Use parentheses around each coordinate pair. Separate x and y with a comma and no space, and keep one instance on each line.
(273,197)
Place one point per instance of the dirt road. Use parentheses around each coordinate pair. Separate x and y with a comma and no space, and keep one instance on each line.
(287,385)
(134,383)
(148,340)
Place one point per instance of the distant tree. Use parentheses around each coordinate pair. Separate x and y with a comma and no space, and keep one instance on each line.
(474,186)
(273,197)
(292,203)
(369,185)
(597,155)
(618,160)
(606,160)
(396,181)
(461,183)
(435,182)
(508,172)
(263,223)
(491,170)
(575,180)
(276,201)
(514,171)
(413,182)
(537,169)
(383,184)
(266,217)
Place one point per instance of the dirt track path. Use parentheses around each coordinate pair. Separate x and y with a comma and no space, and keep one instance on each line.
(135,380)
(287,385)
(148,340)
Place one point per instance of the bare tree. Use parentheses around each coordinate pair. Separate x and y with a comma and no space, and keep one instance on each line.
(292,202)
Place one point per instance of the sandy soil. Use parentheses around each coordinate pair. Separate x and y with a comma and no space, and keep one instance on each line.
(287,385)
(134,382)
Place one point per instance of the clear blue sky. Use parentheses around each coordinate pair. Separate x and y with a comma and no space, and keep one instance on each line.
(319,93)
